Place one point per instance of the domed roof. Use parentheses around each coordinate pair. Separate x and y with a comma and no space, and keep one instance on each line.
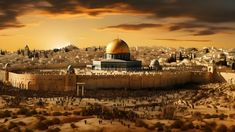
(70,70)
(154,63)
(117,46)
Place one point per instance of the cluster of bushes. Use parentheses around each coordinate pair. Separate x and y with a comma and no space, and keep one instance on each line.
(232,116)
(220,116)
(26,112)
(73,125)
(71,119)
(157,126)
(6,113)
(43,124)
(54,129)
(45,113)
(3,128)
(12,126)
(40,103)
(185,126)
(179,124)
(77,113)
(57,113)
(105,113)
(141,123)
(168,112)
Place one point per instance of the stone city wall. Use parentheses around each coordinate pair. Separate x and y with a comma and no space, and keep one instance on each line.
(228,77)
(128,81)
(41,82)
(158,80)
(3,75)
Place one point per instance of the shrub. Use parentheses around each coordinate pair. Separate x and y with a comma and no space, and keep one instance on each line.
(45,113)
(4,114)
(71,119)
(177,124)
(17,129)
(55,121)
(41,126)
(56,113)
(23,111)
(73,125)
(197,127)
(3,128)
(231,128)
(14,116)
(222,116)
(21,123)
(141,123)
(168,112)
(67,113)
(76,112)
(5,120)
(41,118)
(232,116)
(207,128)
(28,130)
(212,124)
(54,129)
(187,125)
(222,128)
(159,126)
(34,112)
(40,103)
(12,125)
(197,115)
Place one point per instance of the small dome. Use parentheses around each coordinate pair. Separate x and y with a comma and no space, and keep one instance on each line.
(7,65)
(117,46)
(70,70)
(221,55)
(186,62)
(162,60)
(154,64)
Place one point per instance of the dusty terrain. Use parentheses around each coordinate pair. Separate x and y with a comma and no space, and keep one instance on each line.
(207,108)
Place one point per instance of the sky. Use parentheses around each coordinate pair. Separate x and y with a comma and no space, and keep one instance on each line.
(48,24)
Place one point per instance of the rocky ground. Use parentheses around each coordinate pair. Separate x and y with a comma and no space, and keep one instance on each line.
(209,107)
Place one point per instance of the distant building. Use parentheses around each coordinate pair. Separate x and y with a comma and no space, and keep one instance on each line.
(26,50)
(117,57)
(155,65)
(233,66)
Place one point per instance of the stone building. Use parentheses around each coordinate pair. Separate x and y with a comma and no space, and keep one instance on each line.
(117,57)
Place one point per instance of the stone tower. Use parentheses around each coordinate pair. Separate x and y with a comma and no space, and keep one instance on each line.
(70,79)
(6,67)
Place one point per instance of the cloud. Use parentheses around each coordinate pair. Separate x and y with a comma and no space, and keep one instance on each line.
(133,26)
(199,29)
(193,27)
(4,35)
(184,40)
(202,10)
(209,11)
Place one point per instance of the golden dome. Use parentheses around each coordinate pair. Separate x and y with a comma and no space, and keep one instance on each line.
(117,46)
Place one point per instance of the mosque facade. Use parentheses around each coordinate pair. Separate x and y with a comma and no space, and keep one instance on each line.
(117,57)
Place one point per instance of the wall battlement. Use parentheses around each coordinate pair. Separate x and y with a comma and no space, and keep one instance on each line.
(106,81)
(158,80)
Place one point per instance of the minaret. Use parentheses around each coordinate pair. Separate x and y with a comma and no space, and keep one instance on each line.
(26,50)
